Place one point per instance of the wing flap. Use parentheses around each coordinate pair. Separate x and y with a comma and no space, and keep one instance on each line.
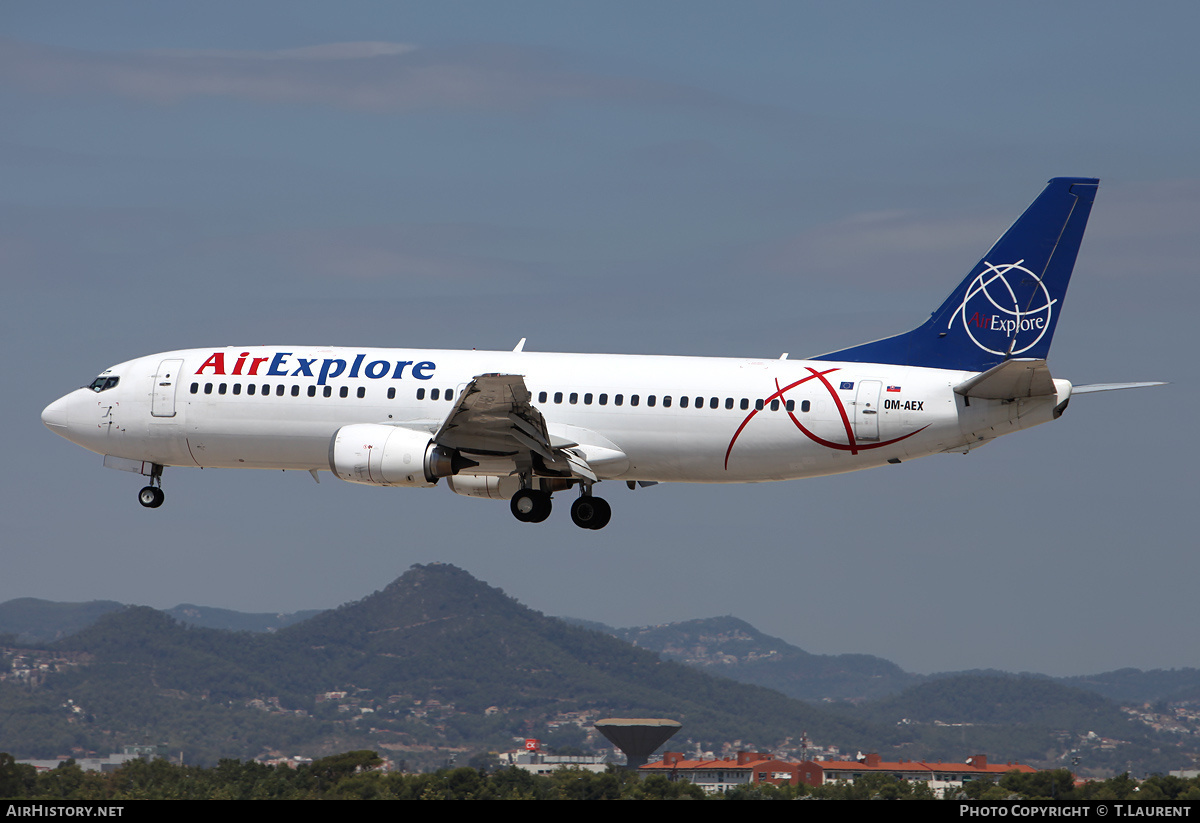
(495,417)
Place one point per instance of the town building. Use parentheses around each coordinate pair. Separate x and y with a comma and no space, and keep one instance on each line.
(756,767)
(938,776)
(535,761)
(716,776)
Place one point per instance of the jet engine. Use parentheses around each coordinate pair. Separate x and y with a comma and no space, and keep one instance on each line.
(379,455)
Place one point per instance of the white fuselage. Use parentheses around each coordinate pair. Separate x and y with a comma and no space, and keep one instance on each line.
(675,419)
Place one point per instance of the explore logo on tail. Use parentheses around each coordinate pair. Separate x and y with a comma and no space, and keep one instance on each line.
(997,315)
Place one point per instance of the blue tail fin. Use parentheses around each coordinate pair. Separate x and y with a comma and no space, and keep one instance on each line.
(1009,304)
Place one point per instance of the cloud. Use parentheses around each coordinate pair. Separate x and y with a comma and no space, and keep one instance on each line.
(370,76)
(1134,230)
(409,254)
(1145,229)
(877,248)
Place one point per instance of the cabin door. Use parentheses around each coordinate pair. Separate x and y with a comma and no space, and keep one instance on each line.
(866,410)
(162,403)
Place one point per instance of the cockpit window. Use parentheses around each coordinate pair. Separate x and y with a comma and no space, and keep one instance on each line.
(103,383)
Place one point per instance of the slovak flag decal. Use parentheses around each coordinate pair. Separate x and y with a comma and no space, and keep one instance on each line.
(893,388)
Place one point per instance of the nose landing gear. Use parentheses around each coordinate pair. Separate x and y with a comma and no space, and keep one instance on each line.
(152,496)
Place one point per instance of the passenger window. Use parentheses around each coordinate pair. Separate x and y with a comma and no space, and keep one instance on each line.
(541,397)
(699,402)
(266,389)
(279,390)
(328,391)
(805,405)
(604,400)
(683,402)
(296,390)
(650,400)
(250,387)
(195,388)
(312,391)
(449,394)
(392,393)
(574,398)
(362,392)
(587,399)
(421,394)
(208,388)
(344,391)
(666,401)
(558,397)
(618,399)
(434,394)
(791,405)
(729,402)
(758,404)
(774,405)
(745,404)
(221,388)
(633,399)
(713,402)
(237,388)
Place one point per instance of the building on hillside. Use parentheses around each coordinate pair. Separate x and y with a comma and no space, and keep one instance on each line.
(716,776)
(938,776)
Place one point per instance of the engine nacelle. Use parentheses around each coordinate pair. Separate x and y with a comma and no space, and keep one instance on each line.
(492,488)
(386,456)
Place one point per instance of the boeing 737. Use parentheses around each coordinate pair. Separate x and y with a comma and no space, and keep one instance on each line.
(520,426)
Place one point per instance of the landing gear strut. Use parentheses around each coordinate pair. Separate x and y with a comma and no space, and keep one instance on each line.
(152,496)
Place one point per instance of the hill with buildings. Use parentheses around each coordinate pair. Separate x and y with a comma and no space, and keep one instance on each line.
(439,664)
(438,660)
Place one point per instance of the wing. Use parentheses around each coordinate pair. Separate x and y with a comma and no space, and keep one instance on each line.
(495,424)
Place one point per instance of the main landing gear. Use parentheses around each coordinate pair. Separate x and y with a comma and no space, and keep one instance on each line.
(152,496)
(531,505)
(587,512)
(591,512)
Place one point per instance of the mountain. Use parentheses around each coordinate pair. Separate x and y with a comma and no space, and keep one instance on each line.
(37,622)
(1137,686)
(439,663)
(436,659)
(733,648)
(211,618)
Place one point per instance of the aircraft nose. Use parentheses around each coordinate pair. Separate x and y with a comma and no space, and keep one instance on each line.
(55,416)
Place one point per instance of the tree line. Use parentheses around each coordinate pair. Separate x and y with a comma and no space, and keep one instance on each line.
(356,776)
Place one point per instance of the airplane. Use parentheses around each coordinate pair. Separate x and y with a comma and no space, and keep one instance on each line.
(521,426)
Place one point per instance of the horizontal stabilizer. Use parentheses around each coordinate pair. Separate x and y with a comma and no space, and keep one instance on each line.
(1009,380)
(1097,387)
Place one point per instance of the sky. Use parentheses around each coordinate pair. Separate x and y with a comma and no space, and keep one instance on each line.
(695,178)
